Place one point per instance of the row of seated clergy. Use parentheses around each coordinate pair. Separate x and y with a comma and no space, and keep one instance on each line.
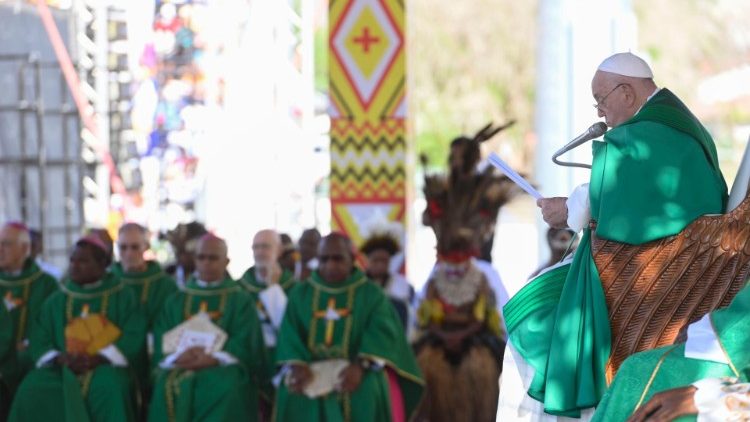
(92,333)
(90,345)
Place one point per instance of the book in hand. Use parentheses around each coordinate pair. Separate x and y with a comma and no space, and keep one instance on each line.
(325,377)
(198,331)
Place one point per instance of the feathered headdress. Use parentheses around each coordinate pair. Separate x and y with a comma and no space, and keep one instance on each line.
(462,207)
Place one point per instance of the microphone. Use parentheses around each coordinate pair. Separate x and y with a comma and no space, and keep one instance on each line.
(596,130)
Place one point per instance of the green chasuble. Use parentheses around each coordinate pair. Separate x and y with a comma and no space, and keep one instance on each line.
(647,373)
(6,347)
(651,177)
(367,327)
(23,296)
(152,288)
(221,393)
(254,286)
(104,394)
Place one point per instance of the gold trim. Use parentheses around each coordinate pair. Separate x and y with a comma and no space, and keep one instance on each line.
(337,290)
(187,309)
(348,323)
(23,281)
(723,349)
(24,313)
(653,376)
(145,281)
(169,394)
(250,287)
(102,308)
(287,284)
(407,375)
(347,328)
(314,321)
(78,295)
(85,380)
(212,292)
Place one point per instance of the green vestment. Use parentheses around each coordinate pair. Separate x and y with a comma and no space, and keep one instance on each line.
(651,177)
(27,291)
(6,347)
(152,288)
(105,394)
(220,393)
(254,286)
(368,328)
(647,373)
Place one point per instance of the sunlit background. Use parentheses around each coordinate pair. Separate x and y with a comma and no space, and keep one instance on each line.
(217,110)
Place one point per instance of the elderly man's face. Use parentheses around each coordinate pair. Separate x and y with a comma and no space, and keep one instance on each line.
(131,245)
(13,251)
(266,248)
(610,98)
(335,260)
(211,259)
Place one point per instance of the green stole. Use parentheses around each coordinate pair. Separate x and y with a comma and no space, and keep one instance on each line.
(254,286)
(151,287)
(111,299)
(230,308)
(214,299)
(6,337)
(669,162)
(367,327)
(30,289)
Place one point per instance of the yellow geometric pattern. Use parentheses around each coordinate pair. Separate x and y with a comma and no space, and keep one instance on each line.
(367,91)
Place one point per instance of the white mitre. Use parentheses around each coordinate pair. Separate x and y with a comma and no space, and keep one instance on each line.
(626,64)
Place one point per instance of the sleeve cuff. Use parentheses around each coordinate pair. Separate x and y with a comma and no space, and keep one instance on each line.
(113,354)
(224,358)
(579,211)
(720,399)
(168,362)
(702,342)
(47,358)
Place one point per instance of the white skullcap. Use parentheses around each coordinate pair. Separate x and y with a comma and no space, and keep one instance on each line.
(626,64)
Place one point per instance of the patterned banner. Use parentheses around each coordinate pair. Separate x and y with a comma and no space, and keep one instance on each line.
(368,111)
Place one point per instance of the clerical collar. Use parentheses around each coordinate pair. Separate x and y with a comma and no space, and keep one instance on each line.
(92,286)
(14,273)
(656,91)
(207,284)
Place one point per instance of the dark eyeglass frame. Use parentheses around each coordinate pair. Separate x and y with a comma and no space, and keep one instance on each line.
(599,103)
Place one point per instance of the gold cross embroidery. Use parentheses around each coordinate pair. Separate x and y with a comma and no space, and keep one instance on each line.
(331,315)
(12,302)
(212,314)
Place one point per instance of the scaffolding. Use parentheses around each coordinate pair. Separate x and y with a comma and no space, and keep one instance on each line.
(41,164)
(53,175)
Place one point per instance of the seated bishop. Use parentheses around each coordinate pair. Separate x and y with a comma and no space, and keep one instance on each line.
(343,347)
(208,346)
(86,337)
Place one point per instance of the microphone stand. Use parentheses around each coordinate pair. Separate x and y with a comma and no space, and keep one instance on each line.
(568,163)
